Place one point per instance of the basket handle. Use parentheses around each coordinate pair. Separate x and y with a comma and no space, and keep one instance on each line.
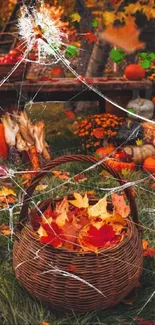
(10,34)
(75,158)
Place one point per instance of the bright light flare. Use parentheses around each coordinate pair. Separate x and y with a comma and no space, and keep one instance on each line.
(37,27)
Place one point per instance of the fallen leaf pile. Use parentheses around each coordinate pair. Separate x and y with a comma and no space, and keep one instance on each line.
(78,225)
(98,127)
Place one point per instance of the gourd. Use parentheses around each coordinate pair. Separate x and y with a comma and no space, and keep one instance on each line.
(134,72)
(119,165)
(103,152)
(142,107)
(3,144)
(149,164)
(140,153)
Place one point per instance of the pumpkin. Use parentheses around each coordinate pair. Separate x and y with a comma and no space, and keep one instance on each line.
(142,107)
(149,164)
(134,72)
(153,100)
(103,152)
(119,165)
(3,144)
(140,153)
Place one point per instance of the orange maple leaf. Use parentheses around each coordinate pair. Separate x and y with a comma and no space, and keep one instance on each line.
(126,37)
(120,205)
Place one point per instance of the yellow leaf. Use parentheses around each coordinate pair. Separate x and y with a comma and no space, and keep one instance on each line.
(132,8)
(139,142)
(125,171)
(75,17)
(41,187)
(80,202)
(6,192)
(62,210)
(108,17)
(41,232)
(99,209)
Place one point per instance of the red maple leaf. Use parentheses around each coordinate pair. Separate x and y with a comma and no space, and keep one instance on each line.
(71,268)
(98,133)
(57,71)
(90,36)
(69,114)
(70,231)
(53,235)
(99,237)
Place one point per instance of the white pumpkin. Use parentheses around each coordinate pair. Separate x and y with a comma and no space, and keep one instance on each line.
(142,107)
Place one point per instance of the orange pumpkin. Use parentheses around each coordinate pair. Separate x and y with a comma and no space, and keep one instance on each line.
(3,144)
(149,164)
(153,100)
(103,152)
(134,72)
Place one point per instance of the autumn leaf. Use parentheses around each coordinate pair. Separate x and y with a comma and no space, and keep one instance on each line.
(80,202)
(70,234)
(5,230)
(125,171)
(75,17)
(69,114)
(50,234)
(98,133)
(125,37)
(119,205)
(90,36)
(57,71)
(91,238)
(41,187)
(80,178)
(61,210)
(6,192)
(108,17)
(59,174)
(71,268)
(139,142)
(99,209)
(147,250)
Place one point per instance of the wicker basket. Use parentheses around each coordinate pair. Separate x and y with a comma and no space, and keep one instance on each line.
(5,69)
(41,269)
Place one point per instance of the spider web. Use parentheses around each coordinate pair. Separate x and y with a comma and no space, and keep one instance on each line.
(45,50)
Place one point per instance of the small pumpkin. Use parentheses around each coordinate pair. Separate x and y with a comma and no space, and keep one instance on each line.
(142,107)
(119,165)
(140,153)
(149,164)
(134,72)
(103,152)
(3,144)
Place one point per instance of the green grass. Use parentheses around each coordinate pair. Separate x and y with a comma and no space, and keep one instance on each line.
(17,307)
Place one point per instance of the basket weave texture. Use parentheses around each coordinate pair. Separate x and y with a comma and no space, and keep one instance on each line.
(99,281)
